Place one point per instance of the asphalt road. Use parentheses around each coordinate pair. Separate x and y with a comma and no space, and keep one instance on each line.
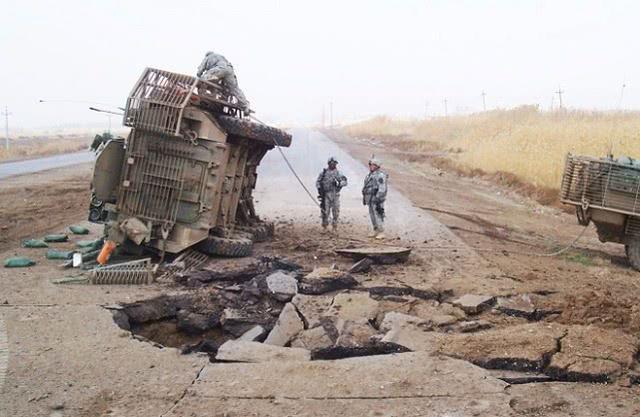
(278,192)
(9,169)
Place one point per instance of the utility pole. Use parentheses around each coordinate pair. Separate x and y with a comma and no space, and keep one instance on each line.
(621,96)
(6,115)
(559,93)
(484,102)
(446,111)
(426,109)
(331,114)
(323,115)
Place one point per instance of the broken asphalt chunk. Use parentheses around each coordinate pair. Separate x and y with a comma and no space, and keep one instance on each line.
(525,347)
(474,304)
(324,280)
(313,339)
(282,286)
(363,265)
(244,351)
(255,334)
(593,354)
(379,254)
(289,324)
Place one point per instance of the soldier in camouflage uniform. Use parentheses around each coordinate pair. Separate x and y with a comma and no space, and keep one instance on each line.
(329,183)
(374,194)
(215,67)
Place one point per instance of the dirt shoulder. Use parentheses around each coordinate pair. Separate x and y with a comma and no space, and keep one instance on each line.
(591,284)
(34,204)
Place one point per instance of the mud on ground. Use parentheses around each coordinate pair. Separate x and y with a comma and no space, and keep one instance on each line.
(37,203)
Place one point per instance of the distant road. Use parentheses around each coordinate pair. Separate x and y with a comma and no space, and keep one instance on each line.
(9,169)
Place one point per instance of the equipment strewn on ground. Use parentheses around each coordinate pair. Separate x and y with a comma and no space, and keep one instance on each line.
(605,191)
(185,174)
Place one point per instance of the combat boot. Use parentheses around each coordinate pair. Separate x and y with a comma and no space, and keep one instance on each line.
(380,235)
(373,234)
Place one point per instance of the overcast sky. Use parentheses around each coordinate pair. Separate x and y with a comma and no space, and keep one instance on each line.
(293,57)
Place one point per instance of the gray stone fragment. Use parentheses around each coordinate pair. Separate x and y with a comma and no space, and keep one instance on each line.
(414,338)
(312,308)
(253,335)
(472,326)
(244,351)
(474,304)
(355,333)
(517,306)
(393,319)
(354,306)
(313,339)
(288,325)
(282,286)
(363,265)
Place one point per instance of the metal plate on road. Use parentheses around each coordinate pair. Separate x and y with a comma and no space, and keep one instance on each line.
(381,254)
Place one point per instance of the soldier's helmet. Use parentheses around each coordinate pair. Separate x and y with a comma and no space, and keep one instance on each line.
(332,160)
(375,161)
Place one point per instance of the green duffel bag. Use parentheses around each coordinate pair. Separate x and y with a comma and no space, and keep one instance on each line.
(56,238)
(79,230)
(34,243)
(59,254)
(18,262)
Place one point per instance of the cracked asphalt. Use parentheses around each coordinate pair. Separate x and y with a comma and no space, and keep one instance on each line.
(67,358)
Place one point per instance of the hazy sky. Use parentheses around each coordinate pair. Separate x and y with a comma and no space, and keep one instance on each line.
(294,57)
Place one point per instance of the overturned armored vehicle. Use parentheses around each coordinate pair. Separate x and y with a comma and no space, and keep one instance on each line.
(185,174)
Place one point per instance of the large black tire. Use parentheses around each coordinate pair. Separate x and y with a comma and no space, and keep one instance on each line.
(260,232)
(633,253)
(231,247)
(256,131)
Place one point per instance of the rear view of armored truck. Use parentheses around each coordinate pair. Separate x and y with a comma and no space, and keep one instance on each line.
(186,172)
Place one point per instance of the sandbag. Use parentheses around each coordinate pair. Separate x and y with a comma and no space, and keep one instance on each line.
(79,230)
(56,238)
(34,243)
(59,254)
(90,244)
(18,262)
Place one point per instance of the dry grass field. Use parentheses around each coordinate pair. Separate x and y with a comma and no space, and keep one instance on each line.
(27,148)
(524,142)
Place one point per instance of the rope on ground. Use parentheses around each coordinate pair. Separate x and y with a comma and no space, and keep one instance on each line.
(289,165)
(469,219)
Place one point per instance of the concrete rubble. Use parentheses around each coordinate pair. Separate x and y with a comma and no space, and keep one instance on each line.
(312,308)
(353,306)
(393,319)
(525,347)
(253,335)
(324,280)
(518,306)
(358,333)
(282,286)
(414,338)
(474,304)
(594,354)
(288,325)
(313,339)
(244,351)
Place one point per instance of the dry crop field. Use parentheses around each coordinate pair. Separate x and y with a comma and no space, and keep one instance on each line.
(524,141)
(33,147)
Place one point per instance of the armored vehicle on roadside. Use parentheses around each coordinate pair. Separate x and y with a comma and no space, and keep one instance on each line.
(605,191)
(184,176)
